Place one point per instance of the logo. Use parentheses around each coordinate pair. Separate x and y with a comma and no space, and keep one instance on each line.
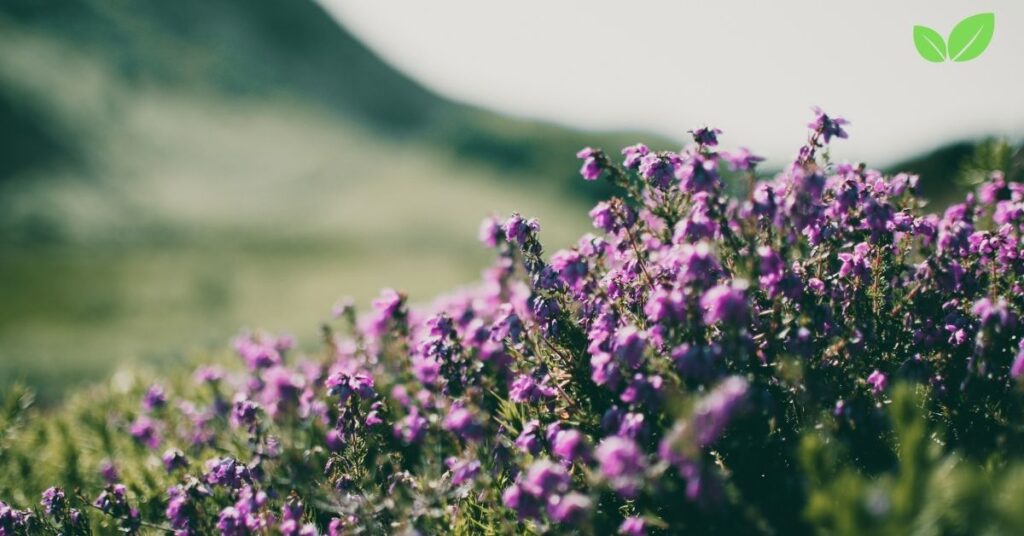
(968,40)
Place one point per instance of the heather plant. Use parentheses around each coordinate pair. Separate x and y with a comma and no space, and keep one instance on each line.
(816,354)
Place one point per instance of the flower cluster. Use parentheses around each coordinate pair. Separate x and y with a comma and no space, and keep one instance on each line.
(659,375)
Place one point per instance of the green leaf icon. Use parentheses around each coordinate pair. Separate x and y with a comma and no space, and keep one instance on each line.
(929,44)
(971,36)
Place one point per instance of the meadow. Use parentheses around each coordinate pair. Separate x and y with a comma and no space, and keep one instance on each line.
(817,355)
(245,289)
(150,208)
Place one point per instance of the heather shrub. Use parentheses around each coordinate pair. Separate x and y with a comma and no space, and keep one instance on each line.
(814,354)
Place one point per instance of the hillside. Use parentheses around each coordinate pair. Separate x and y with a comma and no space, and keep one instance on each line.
(269,49)
(173,171)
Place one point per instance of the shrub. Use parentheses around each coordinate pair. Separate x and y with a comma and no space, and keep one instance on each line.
(817,355)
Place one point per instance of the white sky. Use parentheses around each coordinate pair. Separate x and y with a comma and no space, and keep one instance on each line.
(751,68)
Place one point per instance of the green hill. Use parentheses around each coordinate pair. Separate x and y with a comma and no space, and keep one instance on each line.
(173,171)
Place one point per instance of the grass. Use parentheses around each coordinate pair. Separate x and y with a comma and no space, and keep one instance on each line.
(199,215)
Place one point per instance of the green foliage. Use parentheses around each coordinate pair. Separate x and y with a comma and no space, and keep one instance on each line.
(926,492)
(990,156)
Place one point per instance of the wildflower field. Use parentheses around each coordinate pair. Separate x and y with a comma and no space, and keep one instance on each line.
(808,353)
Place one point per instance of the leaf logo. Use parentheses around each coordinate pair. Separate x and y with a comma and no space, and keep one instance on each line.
(968,40)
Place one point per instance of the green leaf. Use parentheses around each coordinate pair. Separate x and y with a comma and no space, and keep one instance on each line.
(929,44)
(971,36)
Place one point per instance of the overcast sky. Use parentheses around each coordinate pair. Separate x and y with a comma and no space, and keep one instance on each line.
(751,68)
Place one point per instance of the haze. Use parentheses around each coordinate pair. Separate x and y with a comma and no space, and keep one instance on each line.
(751,68)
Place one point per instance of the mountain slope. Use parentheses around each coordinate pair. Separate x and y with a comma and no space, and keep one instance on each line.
(270,48)
(177,170)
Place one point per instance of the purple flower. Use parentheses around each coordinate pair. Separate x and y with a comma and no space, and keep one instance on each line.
(210,374)
(570,265)
(569,508)
(518,230)
(506,324)
(426,368)
(343,306)
(109,472)
(231,522)
(111,497)
(714,412)
(725,303)
(155,398)
(386,310)
(525,389)
(282,389)
(345,385)
(490,231)
(658,169)
(1018,362)
(603,216)
(630,343)
(145,431)
(461,422)
(11,520)
(113,501)
(179,511)
(816,286)
(411,428)
(995,314)
(706,136)
(591,168)
(337,526)
(665,305)
(525,504)
(696,263)
(612,216)
(604,369)
(543,482)
(227,472)
(633,526)
(388,303)
(53,501)
(250,506)
(622,464)
(246,413)
(334,439)
(698,173)
(544,478)
(877,381)
(827,126)
(632,425)
(633,154)
(529,440)
(742,160)
(174,459)
(462,470)
(259,351)
(770,265)
(291,520)
(570,445)
(373,417)
(856,264)
(641,389)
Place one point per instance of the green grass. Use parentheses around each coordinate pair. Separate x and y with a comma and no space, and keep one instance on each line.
(198,215)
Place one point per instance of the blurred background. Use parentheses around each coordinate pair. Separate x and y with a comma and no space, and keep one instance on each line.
(172,172)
